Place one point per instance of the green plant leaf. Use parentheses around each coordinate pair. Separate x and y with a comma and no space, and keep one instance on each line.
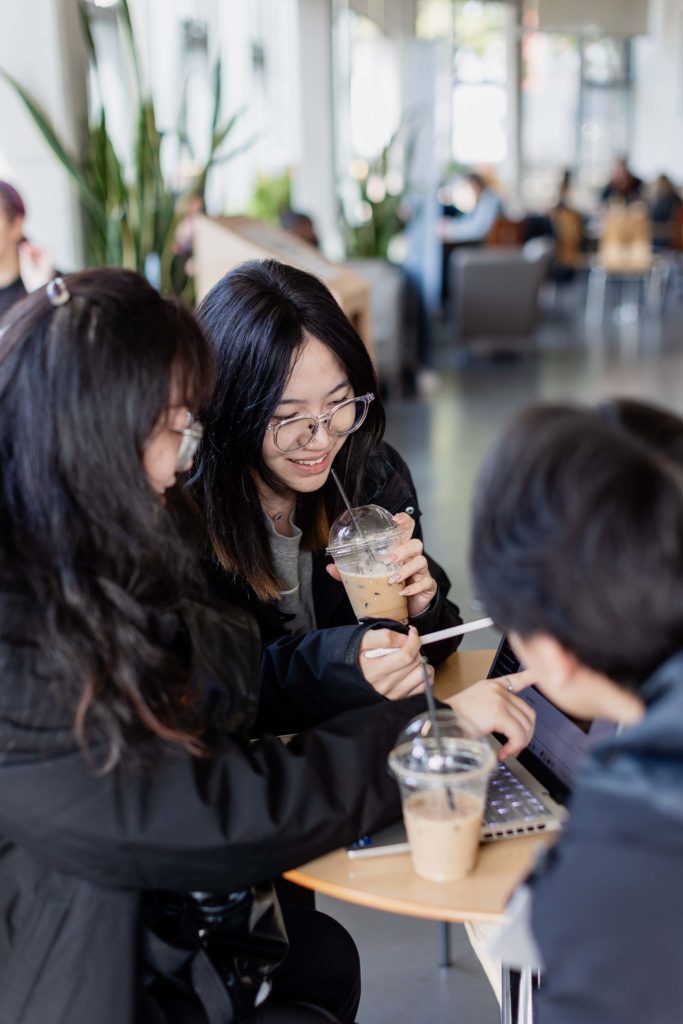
(84,18)
(217,92)
(49,133)
(129,34)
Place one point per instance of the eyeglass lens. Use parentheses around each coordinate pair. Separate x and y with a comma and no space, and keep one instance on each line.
(297,433)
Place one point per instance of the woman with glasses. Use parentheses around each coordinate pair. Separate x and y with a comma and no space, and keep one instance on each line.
(139,823)
(296,395)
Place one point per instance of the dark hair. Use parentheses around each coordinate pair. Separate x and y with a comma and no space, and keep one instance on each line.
(476,179)
(11,202)
(578,533)
(653,425)
(257,318)
(82,534)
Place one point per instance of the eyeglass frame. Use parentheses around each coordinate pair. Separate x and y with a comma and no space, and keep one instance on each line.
(192,435)
(324,417)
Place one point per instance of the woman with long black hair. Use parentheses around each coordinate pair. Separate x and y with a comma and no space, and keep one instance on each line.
(297,394)
(139,826)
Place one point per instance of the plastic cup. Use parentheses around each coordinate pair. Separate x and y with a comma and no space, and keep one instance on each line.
(361,539)
(443,790)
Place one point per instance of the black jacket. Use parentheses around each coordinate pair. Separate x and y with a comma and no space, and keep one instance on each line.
(79,851)
(326,657)
(608,901)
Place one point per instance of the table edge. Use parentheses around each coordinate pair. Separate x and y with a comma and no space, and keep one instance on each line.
(390,904)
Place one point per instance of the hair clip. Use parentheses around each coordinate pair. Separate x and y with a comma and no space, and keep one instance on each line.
(57,292)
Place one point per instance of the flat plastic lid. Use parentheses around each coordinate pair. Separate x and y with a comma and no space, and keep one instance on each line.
(362,527)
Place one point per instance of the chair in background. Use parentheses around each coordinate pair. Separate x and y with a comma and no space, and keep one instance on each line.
(497,294)
(625,257)
(506,233)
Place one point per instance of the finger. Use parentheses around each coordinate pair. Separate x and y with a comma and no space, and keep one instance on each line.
(334,572)
(416,566)
(404,552)
(411,683)
(423,586)
(518,681)
(376,638)
(386,673)
(518,732)
(405,522)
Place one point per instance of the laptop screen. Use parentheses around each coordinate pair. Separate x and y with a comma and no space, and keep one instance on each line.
(559,741)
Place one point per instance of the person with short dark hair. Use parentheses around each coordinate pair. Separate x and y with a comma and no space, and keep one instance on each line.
(23,266)
(577,553)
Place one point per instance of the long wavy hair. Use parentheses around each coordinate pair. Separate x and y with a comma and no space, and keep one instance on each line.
(258,317)
(101,560)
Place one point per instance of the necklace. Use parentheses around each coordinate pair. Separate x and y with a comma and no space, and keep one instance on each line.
(276,517)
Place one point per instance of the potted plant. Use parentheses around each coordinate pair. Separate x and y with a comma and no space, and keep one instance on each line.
(130,211)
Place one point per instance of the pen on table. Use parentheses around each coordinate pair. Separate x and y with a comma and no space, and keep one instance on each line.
(432,638)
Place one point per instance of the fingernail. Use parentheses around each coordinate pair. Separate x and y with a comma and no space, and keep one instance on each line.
(395,578)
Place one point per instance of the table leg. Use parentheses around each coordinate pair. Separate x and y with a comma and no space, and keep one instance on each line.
(596,295)
(444,944)
(525,1007)
(505,995)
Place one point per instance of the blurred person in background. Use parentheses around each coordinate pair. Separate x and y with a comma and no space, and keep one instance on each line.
(665,206)
(301,225)
(23,266)
(474,225)
(623,186)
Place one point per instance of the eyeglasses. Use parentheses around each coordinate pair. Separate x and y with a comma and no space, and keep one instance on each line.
(191,435)
(297,432)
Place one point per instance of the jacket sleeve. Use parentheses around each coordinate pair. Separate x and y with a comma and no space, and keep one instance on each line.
(441,613)
(606,916)
(242,816)
(308,679)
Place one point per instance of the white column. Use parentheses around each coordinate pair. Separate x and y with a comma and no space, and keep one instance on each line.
(314,182)
(44,50)
(513,175)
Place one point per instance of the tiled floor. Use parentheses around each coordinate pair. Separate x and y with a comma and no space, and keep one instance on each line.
(444,439)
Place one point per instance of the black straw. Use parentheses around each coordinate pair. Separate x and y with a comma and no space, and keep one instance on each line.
(350,510)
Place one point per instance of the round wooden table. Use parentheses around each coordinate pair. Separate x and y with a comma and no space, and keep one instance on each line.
(390,884)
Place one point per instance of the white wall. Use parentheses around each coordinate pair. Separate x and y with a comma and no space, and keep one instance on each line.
(40,45)
(657,135)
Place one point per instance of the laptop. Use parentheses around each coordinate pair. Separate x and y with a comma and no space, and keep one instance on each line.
(527,793)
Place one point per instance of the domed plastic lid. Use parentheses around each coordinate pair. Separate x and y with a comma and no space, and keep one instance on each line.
(362,527)
(462,750)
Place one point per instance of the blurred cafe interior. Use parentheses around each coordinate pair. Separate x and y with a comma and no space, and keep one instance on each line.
(492,190)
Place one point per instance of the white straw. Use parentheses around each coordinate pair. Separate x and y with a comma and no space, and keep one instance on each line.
(432,638)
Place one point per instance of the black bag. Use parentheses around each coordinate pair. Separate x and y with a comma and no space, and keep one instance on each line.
(219,948)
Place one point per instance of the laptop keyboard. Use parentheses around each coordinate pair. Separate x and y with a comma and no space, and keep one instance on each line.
(510,806)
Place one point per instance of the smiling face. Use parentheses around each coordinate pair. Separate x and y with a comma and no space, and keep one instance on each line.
(317,383)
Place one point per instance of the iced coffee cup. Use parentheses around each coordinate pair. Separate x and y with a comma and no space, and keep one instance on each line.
(443,789)
(361,540)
